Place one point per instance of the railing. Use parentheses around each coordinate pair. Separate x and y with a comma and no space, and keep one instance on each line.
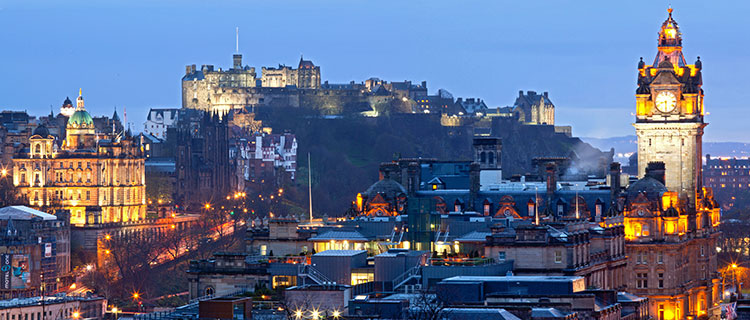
(308,271)
(178,312)
(363,288)
(405,277)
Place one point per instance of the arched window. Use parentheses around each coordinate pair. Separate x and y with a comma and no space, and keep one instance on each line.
(637,229)
(38,148)
(482,157)
(491,158)
(646,232)
(209,291)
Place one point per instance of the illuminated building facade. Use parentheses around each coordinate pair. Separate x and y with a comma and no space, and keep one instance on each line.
(99,177)
(671,220)
(306,76)
(728,176)
(533,108)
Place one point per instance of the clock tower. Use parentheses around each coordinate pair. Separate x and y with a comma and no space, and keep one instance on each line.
(669,115)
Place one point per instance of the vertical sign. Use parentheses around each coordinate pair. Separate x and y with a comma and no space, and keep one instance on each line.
(5,271)
(47,250)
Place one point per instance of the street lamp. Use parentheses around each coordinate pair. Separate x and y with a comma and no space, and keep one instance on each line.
(336,314)
(76,314)
(298,314)
(114,310)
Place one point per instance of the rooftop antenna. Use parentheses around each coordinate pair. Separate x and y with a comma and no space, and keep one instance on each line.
(536,205)
(237,40)
(309,183)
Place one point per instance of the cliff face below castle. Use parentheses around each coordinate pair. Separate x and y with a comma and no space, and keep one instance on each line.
(346,151)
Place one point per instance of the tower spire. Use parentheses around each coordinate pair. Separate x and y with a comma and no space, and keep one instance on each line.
(79,101)
(237,40)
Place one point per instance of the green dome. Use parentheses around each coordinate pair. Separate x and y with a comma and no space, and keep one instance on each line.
(81,118)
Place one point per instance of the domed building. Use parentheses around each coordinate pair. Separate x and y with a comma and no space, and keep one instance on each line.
(386,197)
(98,176)
(67,108)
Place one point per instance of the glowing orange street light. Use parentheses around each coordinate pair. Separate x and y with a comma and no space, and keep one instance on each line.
(734,266)
(136,295)
(76,314)
(72,286)
(208,206)
(173,226)
(106,251)
(107,237)
(4,172)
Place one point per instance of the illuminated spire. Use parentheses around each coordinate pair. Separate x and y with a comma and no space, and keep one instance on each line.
(669,34)
(79,101)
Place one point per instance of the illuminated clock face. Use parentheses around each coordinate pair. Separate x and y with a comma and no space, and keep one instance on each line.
(665,101)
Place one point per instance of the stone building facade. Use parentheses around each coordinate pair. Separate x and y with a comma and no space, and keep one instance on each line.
(671,219)
(533,108)
(306,76)
(203,169)
(98,176)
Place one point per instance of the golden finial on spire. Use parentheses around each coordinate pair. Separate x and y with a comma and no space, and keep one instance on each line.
(80,92)
(670,10)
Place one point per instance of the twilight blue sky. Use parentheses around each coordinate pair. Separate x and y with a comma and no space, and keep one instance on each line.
(132,53)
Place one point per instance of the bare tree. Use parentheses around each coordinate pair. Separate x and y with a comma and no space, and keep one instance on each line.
(426,306)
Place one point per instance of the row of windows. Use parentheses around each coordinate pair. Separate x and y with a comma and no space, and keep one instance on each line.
(641,280)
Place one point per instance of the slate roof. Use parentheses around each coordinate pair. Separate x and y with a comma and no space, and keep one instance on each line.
(548,313)
(478,314)
(387,186)
(474,236)
(339,235)
(23,213)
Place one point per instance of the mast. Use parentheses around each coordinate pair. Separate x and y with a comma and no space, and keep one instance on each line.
(309,183)
(578,215)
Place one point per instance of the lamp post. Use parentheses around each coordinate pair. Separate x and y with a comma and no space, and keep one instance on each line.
(114,310)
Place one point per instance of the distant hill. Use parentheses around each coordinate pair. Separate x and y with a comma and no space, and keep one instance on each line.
(626,145)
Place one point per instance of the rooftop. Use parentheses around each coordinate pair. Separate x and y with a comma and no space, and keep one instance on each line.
(23,213)
(339,253)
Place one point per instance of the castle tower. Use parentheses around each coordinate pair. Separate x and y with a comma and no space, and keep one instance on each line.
(669,115)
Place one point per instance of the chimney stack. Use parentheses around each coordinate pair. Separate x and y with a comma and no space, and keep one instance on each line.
(551,169)
(473,185)
(656,170)
(614,180)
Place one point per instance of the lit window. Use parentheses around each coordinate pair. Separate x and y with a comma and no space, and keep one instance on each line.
(558,256)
